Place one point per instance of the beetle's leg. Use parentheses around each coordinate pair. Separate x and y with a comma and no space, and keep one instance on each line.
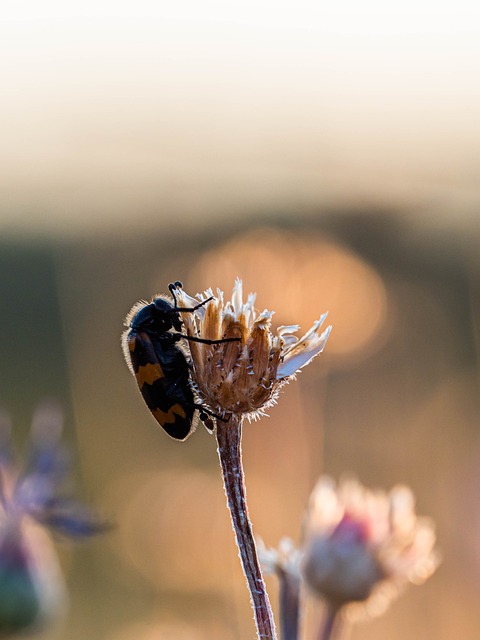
(179,336)
(204,413)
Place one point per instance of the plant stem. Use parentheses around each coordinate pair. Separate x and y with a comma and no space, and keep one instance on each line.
(289,605)
(229,437)
(329,624)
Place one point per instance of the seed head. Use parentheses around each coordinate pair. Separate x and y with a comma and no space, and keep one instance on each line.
(244,377)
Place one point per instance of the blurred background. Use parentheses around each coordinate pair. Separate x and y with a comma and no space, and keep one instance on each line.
(329,156)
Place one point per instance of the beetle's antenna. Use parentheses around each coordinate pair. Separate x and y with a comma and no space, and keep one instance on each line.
(175,285)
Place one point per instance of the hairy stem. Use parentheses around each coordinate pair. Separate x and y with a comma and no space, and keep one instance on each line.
(229,436)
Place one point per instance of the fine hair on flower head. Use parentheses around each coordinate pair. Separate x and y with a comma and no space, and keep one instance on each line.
(244,377)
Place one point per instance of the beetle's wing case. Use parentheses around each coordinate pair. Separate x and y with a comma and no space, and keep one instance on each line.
(162,376)
(162,366)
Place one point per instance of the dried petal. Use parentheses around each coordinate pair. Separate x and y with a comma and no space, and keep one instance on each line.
(243,377)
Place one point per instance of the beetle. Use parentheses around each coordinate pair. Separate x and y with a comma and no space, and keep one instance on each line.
(161,368)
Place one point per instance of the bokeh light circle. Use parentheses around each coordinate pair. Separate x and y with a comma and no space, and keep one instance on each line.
(175,529)
(300,276)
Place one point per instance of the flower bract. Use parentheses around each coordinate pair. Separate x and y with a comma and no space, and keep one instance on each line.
(244,377)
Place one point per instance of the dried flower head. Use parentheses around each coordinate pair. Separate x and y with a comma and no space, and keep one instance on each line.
(244,377)
(362,546)
(283,560)
(32,498)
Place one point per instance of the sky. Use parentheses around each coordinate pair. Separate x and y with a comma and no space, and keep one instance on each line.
(111,109)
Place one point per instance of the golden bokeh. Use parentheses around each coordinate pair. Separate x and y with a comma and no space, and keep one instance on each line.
(300,276)
(173,629)
(170,518)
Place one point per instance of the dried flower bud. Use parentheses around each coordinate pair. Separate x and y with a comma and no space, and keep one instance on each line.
(285,563)
(244,377)
(340,566)
(361,544)
(281,561)
(32,590)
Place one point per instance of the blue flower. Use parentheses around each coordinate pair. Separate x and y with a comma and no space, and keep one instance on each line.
(32,498)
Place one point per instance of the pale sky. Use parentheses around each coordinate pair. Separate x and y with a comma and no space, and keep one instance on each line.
(111,110)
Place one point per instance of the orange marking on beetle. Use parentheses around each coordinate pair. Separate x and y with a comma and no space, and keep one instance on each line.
(169,417)
(131,344)
(148,373)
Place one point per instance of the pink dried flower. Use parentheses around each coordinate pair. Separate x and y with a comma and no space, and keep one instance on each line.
(361,545)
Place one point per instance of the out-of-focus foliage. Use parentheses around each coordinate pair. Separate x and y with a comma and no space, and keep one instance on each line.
(398,404)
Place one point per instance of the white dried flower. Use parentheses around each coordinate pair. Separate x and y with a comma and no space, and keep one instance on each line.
(244,377)
(283,560)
